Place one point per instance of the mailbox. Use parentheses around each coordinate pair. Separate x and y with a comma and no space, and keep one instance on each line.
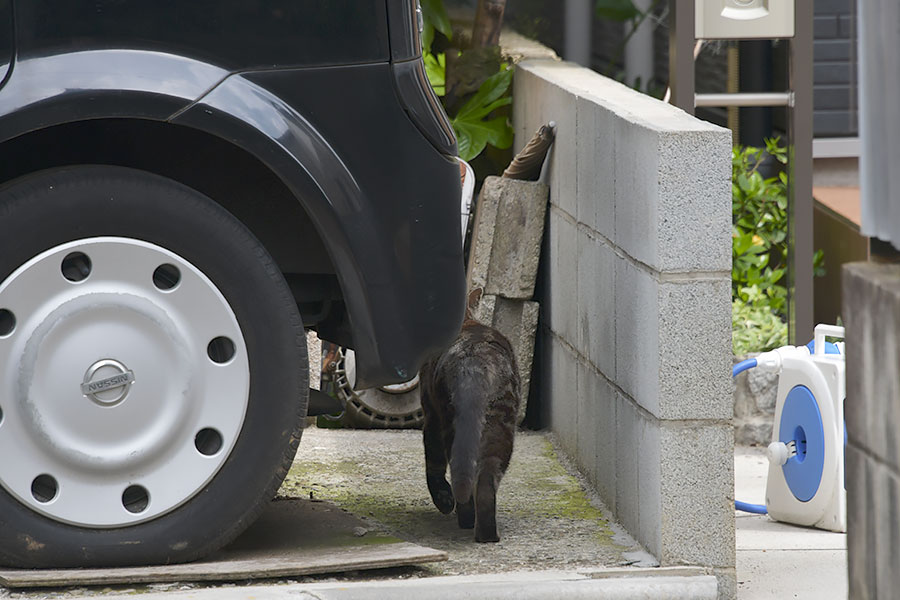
(744,19)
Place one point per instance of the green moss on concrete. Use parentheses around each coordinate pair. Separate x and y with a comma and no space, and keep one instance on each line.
(563,495)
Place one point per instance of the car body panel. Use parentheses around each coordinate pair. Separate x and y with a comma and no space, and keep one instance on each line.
(235,35)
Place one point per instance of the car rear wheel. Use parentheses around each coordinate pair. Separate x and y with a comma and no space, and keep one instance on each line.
(153,371)
(397,406)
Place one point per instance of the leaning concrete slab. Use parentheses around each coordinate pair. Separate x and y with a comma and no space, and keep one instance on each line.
(506,239)
(517,320)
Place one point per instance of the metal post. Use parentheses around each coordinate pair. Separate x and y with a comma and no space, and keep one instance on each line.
(579,16)
(681,53)
(639,50)
(800,206)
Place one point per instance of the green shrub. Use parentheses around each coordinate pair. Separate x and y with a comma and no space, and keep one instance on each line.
(755,328)
(759,249)
(759,228)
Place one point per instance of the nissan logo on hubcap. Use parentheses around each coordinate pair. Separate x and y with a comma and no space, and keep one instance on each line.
(107,382)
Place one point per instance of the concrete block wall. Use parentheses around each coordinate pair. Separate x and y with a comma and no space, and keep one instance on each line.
(871,314)
(636,307)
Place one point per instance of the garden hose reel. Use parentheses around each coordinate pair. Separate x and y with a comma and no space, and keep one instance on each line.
(805,483)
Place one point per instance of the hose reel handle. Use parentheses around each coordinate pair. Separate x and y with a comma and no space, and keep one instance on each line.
(819,340)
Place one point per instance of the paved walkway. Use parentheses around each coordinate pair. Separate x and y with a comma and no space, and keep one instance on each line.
(777,560)
(774,560)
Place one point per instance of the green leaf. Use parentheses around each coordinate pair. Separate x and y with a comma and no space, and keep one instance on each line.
(473,133)
(473,136)
(492,88)
(484,111)
(617,10)
(436,70)
(434,16)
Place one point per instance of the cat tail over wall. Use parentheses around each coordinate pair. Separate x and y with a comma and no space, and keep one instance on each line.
(468,422)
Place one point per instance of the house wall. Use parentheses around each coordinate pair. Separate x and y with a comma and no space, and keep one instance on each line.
(635,332)
(834,69)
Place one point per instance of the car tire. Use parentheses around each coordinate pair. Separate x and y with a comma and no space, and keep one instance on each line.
(153,371)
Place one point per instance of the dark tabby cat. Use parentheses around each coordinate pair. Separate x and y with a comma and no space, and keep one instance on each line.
(470,397)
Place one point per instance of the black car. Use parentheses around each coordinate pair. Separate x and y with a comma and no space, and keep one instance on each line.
(185,187)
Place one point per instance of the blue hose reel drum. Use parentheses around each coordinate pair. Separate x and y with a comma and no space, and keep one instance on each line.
(801,423)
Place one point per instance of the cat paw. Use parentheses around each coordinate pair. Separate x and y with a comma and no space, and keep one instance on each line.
(443,500)
(441,494)
(487,536)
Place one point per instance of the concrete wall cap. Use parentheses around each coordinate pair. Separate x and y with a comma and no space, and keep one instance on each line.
(621,100)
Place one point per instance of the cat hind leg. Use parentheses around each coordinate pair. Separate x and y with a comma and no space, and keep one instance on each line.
(436,468)
(486,502)
(465,513)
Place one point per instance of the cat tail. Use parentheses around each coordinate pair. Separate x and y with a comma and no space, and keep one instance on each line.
(468,423)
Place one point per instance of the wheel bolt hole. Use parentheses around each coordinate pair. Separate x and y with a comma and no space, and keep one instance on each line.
(208,441)
(44,488)
(220,350)
(166,277)
(135,499)
(76,267)
(7,322)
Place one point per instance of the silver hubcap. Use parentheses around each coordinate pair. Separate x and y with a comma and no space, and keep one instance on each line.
(124,382)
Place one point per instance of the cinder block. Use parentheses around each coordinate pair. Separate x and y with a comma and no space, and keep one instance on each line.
(695,349)
(523,89)
(673,343)
(637,335)
(595,144)
(871,314)
(726,580)
(862,520)
(564,397)
(697,494)
(637,204)
(596,308)
(597,431)
(563,284)
(517,320)
(506,239)
(628,436)
(673,197)
(693,232)
(555,104)
(650,499)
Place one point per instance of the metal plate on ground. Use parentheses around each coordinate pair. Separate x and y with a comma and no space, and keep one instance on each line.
(291,538)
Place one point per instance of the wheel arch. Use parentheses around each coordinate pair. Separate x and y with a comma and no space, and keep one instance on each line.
(225,172)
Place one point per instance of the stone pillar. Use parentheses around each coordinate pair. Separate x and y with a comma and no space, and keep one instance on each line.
(871,314)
